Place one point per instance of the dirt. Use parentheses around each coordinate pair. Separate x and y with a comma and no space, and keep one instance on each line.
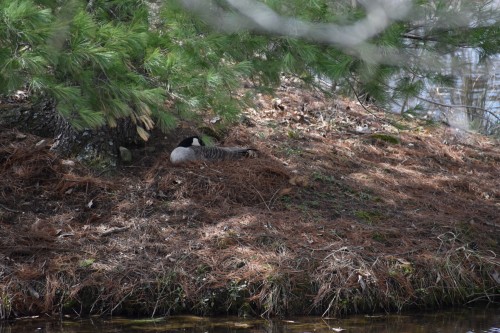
(346,209)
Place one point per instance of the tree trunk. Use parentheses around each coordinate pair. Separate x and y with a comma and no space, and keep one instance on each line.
(96,146)
(36,118)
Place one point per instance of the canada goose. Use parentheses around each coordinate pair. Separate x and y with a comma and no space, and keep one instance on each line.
(193,149)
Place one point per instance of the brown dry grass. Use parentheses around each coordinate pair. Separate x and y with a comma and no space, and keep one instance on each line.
(325,221)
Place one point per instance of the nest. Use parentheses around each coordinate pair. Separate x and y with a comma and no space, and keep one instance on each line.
(247,182)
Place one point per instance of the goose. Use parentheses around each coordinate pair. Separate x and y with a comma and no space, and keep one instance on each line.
(193,149)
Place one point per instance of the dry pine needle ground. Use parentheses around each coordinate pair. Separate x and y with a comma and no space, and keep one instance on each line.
(326,221)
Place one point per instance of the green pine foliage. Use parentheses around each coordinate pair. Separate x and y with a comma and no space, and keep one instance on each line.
(91,61)
(103,60)
(23,29)
(203,69)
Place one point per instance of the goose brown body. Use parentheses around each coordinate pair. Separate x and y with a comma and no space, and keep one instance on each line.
(193,149)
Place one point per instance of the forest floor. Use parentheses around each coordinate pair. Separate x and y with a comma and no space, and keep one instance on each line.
(345,210)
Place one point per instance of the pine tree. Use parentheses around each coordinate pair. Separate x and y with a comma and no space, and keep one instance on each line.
(393,64)
(90,63)
(102,62)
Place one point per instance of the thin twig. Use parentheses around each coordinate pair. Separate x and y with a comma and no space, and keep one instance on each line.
(114,230)
(121,301)
(9,209)
(274,198)
(366,109)
(264,201)
(460,106)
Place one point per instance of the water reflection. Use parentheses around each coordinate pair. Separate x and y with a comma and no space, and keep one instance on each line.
(465,320)
(472,103)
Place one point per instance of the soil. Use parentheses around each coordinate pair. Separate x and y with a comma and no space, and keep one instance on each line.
(346,209)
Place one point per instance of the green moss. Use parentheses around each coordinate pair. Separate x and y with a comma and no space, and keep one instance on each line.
(290,151)
(368,216)
(293,134)
(203,269)
(385,138)
(379,238)
(69,305)
(320,177)
(87,262)
(5,306)
(400,126)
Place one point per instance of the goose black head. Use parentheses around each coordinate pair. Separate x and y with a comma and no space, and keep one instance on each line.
(191,141)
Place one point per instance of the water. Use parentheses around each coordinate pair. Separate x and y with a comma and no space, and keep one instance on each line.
(474,101)
(463,320)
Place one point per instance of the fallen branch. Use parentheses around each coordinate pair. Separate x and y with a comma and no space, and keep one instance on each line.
(114,230)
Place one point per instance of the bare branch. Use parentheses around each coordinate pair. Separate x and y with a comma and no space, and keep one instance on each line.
(493,114)
(256,16)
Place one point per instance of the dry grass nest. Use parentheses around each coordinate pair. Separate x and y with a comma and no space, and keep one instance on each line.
(246,182)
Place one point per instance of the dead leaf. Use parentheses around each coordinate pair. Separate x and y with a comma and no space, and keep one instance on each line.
(299,181)
(142,133)
(285,191)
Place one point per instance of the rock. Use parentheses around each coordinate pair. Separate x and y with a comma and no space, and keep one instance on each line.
(125,154)
(21,136)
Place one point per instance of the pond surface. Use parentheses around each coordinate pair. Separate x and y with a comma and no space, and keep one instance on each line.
(463,320)
(476,85)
